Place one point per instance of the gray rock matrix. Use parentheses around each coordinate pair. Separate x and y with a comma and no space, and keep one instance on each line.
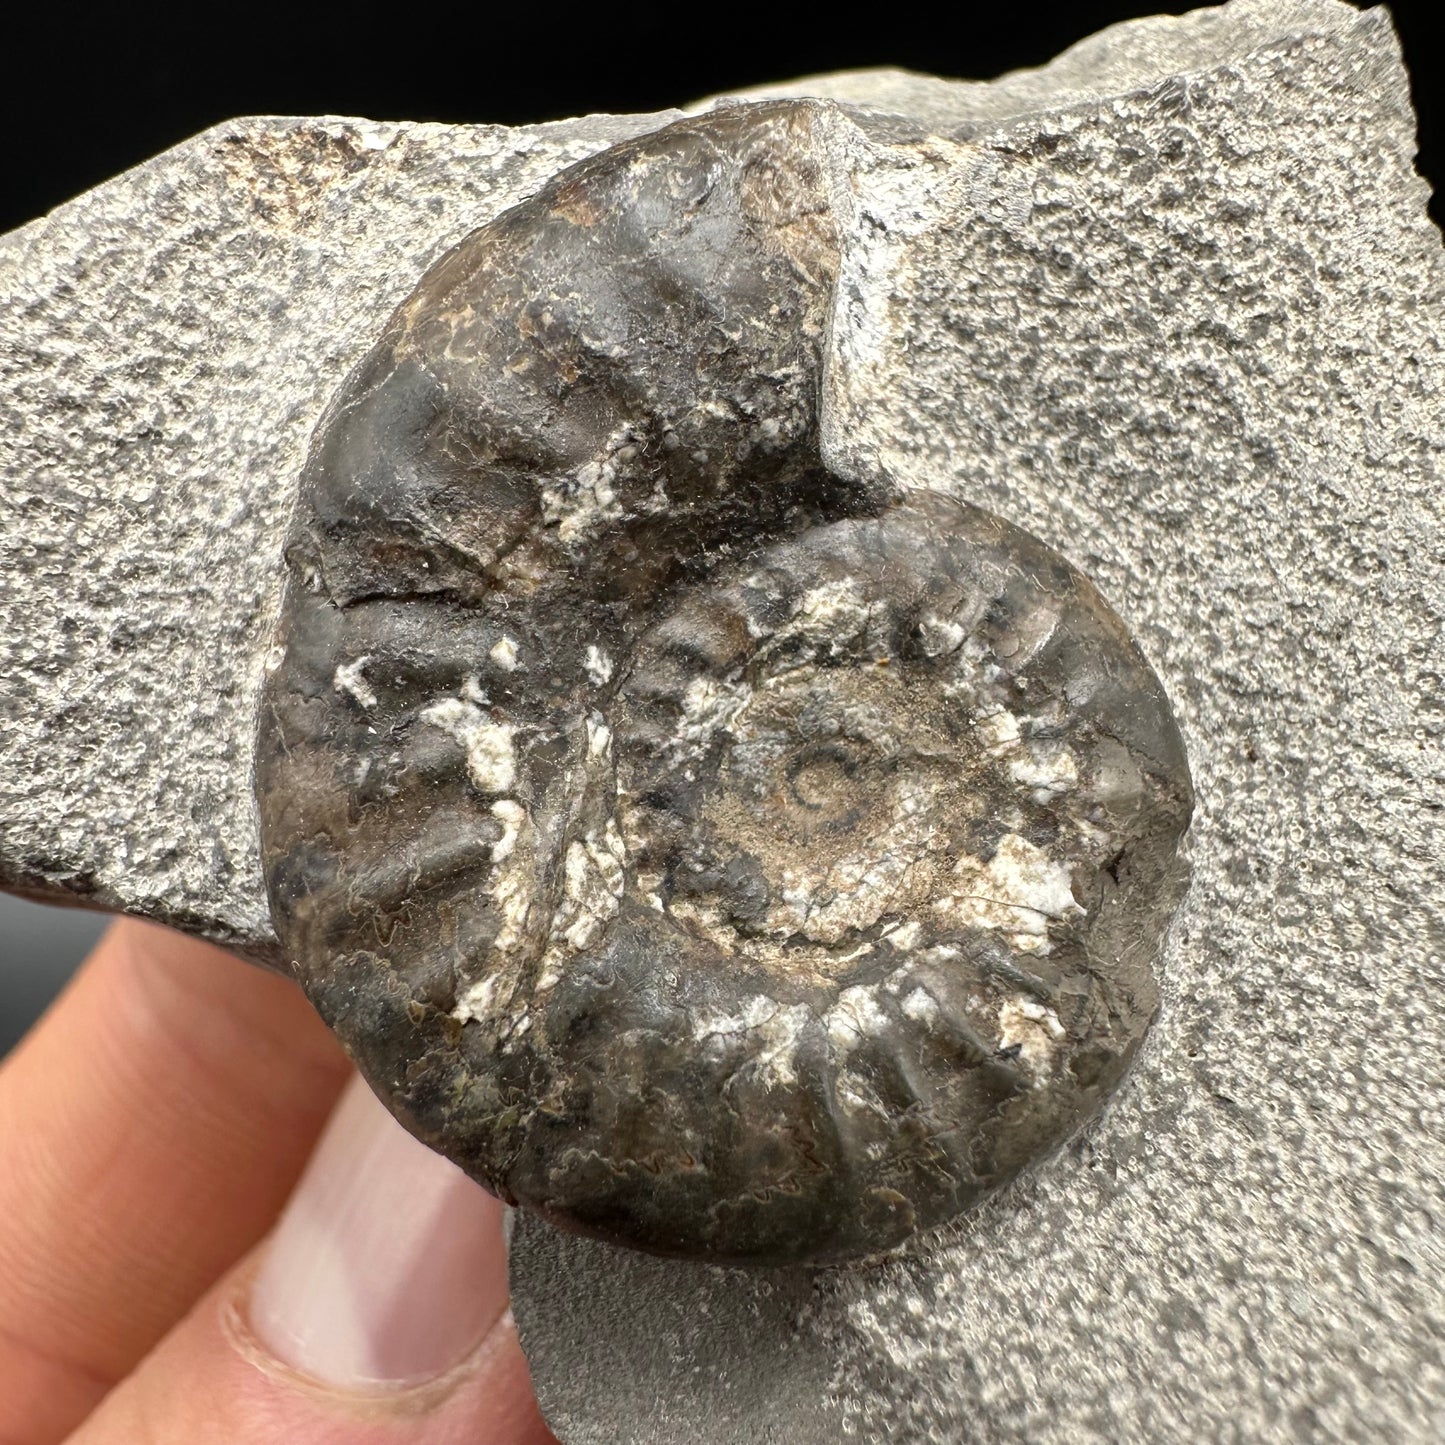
(167,344)
(1172,304)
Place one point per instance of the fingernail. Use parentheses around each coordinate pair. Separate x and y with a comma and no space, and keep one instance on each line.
(387,1266)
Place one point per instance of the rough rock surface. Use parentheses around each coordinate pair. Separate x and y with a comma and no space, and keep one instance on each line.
(1172,304)
(167,344)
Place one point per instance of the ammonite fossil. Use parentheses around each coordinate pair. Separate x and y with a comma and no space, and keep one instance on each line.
(715,853)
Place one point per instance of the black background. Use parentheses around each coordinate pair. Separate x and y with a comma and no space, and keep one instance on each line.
(85,95)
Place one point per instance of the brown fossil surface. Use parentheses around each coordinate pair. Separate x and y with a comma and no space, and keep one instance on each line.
(711,852)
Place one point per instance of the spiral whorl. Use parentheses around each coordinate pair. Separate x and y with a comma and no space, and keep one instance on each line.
(717,854)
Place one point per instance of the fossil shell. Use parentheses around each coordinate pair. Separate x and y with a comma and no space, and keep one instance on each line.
(716,854)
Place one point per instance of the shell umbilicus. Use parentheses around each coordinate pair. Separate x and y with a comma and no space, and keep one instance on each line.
(719,855)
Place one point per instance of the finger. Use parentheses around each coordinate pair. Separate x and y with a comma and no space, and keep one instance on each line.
(376,1315)
(153,1124)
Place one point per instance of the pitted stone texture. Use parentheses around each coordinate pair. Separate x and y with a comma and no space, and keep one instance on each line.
(741,1362)
(167,342)
(1187,330)
(1156,50)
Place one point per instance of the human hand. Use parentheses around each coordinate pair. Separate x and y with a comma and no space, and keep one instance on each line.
(152,1128)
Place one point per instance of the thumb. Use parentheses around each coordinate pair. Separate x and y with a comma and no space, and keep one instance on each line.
(376,1314)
